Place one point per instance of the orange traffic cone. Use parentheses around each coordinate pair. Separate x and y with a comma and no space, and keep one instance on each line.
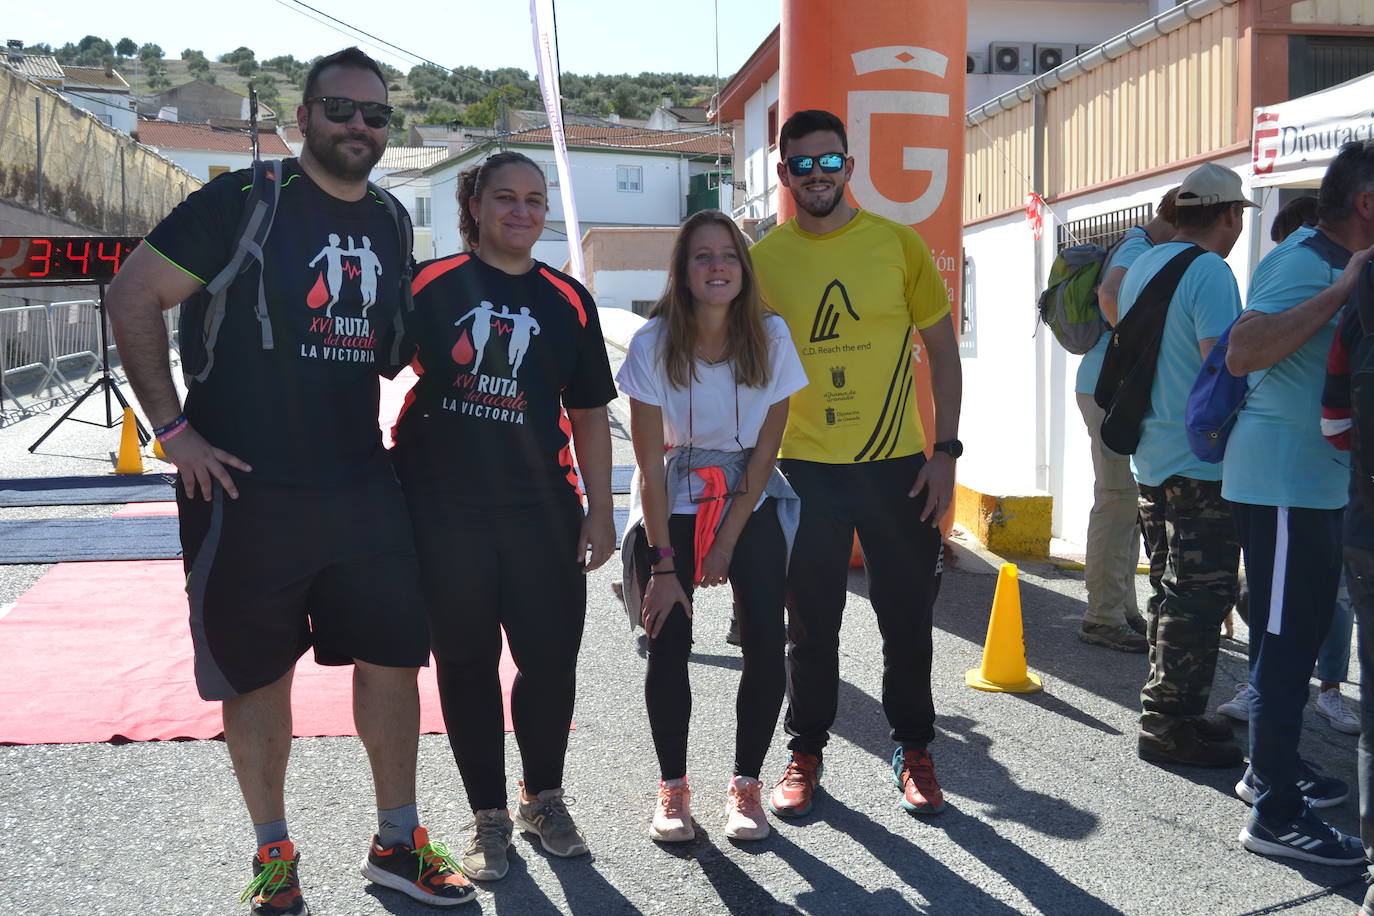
(1004,654)
(130,458)
(158,453)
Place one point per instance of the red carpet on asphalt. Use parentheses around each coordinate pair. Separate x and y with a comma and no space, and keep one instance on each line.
(145,510)
(98,650)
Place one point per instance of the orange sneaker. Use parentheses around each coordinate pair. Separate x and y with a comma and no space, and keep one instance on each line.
(914,773)
(275,889)
(794,793)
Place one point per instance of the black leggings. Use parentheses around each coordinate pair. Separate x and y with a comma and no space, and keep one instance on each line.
(757,574)
(488,569)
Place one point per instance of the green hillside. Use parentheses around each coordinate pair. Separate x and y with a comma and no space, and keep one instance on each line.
(425,95)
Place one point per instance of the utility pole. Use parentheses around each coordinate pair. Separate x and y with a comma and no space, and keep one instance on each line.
(253,119)
(38,138)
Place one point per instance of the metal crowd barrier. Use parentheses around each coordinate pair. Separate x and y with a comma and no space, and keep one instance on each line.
(42,347)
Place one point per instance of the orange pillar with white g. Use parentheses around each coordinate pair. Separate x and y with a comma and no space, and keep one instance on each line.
(890,70)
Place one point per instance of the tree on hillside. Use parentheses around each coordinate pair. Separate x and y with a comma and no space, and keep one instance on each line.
(268,95)
(149,52)
(442,113)
(505,98)
(623,101)
(91,51)
(247,67)
(126,47)
(236,55)
(41,48)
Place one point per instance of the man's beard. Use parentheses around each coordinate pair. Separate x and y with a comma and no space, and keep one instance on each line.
(824,208)
(336,162)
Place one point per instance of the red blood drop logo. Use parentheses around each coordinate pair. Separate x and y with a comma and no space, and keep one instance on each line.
(319,293)
(463,351)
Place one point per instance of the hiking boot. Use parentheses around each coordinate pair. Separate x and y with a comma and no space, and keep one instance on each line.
(547,817)
(744,817)
(1331,707)
(1136,622)
(1119,637)
(732,634)
(485,857)
(914,773)
(1238,708)
(1213,728)
(1306,837)
(424,871)
(1317,790)
(1182,744)
(275,889)
(673,812)
(794,794)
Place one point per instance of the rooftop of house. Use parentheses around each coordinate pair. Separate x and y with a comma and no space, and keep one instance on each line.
(178,135)
(633,138)
(101,78)
(411,157)
(37,66)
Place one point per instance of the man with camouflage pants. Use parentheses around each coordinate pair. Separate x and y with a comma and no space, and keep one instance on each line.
(1194,553)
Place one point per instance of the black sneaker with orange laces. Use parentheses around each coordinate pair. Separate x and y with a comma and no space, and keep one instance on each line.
(425,871)
(275,889)
(914,773)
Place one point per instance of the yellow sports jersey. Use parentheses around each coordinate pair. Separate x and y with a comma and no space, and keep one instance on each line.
(851,298)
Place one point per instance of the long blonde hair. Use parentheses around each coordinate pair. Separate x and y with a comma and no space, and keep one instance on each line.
(746,342)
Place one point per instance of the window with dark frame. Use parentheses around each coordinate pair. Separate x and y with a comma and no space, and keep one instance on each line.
(1105,229)
(773,125)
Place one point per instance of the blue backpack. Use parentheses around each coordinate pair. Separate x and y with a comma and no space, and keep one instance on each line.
(1216,400)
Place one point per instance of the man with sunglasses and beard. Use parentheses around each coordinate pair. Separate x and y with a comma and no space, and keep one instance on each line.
(852,286)
(293,528)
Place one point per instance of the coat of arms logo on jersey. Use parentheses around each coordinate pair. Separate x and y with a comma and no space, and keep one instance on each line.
(837,376)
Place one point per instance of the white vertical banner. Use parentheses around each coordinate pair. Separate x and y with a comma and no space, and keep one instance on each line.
(541,18)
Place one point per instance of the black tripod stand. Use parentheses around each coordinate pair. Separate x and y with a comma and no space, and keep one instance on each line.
(105,383)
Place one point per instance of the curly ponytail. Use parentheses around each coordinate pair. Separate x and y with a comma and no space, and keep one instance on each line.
(471,183)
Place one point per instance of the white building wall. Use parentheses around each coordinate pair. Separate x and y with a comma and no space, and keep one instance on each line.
(620,288)
(754,160)
(198,162)
(113,109)
(1020,419)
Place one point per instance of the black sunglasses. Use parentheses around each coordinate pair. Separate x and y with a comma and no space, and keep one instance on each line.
(802,165)
(340,110)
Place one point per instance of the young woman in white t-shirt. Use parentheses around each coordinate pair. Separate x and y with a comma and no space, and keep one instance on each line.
(708,377)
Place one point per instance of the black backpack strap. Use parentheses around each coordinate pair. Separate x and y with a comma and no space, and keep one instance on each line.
(1138,334)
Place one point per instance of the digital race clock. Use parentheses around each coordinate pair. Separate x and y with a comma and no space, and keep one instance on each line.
(63,257)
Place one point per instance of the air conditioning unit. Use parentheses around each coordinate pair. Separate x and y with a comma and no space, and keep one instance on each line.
(1011,57)
(1084,49)
(976,62)
(1051,55)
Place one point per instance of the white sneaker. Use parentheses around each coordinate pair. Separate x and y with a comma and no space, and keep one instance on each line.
(1331,706)
(1239,707)
(744,817)
(673,813)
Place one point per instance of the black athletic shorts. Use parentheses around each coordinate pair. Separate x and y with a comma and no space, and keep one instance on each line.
(284,568)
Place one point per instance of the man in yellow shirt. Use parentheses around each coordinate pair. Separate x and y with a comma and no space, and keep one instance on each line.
(852,286)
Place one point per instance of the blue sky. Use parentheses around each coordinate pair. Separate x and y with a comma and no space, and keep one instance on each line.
(594,36)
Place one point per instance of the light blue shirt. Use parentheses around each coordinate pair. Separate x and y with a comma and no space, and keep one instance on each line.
(1204,305)
(1276,455)
(1135,243)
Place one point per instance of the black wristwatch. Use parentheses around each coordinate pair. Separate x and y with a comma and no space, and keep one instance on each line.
(951,447)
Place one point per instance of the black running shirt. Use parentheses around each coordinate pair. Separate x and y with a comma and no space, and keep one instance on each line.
(499,358)
(304,412)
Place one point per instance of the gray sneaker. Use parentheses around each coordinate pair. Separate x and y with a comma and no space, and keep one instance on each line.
(485,857)
(547,817)
(1120,637)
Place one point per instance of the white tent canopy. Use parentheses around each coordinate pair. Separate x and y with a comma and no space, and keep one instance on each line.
(1295,141)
